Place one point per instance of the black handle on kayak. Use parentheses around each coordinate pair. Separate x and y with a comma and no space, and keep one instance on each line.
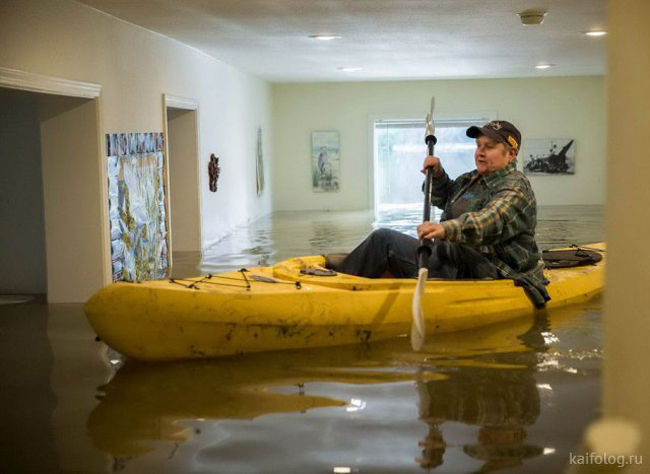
(424,250)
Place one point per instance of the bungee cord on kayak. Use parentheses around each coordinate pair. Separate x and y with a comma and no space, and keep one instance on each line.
(245,280)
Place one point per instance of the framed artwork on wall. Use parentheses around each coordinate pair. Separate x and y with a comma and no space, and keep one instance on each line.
(137,206)
(259,163)
(549,156)
(325,162)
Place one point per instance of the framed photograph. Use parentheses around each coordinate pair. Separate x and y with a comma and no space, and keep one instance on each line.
(325,162)
(549,156)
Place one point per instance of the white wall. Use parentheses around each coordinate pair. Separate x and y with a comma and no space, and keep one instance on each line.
(135,67)
(76,256)
(567,107)
(626,311)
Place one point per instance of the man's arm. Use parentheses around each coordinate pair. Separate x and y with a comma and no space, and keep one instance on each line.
(442,185)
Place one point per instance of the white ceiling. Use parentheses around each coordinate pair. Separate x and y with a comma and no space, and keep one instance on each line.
(388,39)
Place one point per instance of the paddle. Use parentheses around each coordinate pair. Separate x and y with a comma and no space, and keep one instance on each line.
(424,250)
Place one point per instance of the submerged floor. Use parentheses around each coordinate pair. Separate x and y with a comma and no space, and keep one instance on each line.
(510,396)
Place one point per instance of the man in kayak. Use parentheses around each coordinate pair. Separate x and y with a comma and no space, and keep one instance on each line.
(487,229)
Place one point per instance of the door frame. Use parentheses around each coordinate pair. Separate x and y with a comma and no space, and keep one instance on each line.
(183,103)
(44,84)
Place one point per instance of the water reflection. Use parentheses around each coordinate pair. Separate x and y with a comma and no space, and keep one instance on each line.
(483,380)
(145,402)
(326,235)
(502,401)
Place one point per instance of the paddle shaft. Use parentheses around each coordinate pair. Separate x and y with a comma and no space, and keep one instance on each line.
(418,329)
(424,251)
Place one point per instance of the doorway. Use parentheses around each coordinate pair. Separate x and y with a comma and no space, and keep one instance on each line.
(184,180)
(22,239)
(53,185)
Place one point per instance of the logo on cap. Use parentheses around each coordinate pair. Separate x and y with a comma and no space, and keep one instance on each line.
(495,125)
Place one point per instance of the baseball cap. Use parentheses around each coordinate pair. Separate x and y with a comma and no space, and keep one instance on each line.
(498,130)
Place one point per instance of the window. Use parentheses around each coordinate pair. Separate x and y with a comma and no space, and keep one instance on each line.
(399,153)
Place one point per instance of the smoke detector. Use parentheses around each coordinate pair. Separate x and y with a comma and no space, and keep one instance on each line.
(533,16)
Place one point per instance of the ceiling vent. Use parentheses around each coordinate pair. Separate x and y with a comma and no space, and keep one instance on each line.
(533,16)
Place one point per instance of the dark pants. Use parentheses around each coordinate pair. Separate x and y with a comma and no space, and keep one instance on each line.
(389,250)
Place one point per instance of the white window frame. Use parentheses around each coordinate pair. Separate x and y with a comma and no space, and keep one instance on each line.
(458,120)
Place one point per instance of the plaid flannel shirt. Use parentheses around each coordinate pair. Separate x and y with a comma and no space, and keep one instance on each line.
(500,222)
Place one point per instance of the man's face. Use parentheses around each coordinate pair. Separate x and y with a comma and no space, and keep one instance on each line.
(491,156)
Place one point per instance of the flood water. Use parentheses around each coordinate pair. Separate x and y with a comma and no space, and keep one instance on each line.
(512,397)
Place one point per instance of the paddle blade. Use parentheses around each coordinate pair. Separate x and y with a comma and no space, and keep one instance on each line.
(417,328)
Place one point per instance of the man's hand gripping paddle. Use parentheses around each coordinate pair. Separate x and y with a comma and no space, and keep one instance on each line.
(424,251)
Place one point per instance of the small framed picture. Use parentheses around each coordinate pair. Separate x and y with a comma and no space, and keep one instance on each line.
(549,156)
(325,162)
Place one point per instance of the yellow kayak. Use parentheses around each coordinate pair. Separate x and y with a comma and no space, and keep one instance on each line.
(299,304)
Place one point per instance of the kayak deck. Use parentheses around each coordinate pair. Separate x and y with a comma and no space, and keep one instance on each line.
(281,307)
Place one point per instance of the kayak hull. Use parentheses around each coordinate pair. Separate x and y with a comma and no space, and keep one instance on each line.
(275,308)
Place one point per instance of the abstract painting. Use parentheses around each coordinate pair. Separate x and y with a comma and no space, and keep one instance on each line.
(137,203)
(325,162)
